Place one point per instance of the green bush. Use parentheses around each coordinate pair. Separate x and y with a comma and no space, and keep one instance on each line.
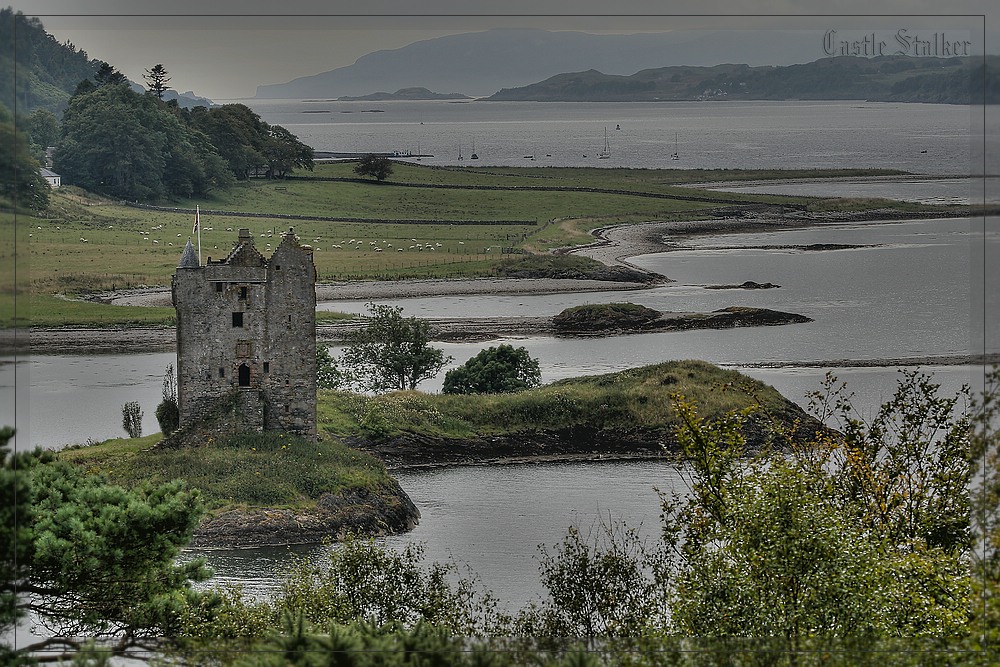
(168,416)
(497,370)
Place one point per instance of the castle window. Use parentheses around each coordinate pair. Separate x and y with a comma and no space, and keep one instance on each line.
(267,366)
(244,375)
(243,293)
(287,408)
(222,372)
(277,267)
(238,320)
(218,287)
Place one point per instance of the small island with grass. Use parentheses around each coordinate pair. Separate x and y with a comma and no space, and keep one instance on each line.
(620,318)
(274,488)
(625,415)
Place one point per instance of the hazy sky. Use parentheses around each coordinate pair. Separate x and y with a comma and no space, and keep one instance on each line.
(206,47)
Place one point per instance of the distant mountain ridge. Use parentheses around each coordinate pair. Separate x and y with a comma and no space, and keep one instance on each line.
(405,94)
(884,78)
(481,63)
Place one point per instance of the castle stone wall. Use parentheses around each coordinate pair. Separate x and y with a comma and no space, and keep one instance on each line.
(248,324)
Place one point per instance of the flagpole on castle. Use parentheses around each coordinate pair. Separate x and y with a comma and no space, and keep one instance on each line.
(197,226)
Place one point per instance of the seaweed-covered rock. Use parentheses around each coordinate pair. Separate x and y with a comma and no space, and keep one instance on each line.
(605,317)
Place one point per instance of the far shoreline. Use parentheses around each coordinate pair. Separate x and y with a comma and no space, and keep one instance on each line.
(614,245)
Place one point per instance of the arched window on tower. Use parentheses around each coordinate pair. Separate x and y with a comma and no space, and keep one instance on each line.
(244,375)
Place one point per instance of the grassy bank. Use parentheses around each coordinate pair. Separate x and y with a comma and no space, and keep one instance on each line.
(630,399)
(271,470)
(240,471)
(84,243)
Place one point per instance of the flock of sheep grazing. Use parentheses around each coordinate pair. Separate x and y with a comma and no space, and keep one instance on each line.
(353,244)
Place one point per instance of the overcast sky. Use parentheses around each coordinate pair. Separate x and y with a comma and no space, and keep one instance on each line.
(206,47)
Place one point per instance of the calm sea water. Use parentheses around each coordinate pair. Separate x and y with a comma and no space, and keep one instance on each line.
(912,294)
(922,138)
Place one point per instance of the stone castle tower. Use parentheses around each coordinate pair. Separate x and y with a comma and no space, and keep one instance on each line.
(247,325)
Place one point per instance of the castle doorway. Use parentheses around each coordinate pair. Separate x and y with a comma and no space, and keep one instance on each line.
(244,375)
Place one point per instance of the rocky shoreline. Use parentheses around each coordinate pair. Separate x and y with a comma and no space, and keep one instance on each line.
(359,512)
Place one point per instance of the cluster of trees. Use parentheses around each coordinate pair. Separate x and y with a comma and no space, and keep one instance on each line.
(116,141)
(46,71)
(393,353)
(840,551)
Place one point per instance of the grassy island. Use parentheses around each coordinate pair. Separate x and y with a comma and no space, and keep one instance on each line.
(626,414)
(273,488)
(261,488)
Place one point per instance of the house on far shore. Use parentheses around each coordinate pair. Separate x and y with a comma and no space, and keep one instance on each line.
(52,178)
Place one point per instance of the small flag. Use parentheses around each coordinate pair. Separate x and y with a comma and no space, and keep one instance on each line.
(197,220)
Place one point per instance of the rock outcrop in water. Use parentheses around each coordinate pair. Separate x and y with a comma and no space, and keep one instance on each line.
(384,511)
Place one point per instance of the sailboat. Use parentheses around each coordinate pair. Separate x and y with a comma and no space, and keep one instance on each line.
(676,155)
(460,151)
(606,153)
(474,156)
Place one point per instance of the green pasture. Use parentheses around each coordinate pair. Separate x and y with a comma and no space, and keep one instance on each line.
(85,244)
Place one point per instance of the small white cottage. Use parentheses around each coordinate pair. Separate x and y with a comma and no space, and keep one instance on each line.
(52,178)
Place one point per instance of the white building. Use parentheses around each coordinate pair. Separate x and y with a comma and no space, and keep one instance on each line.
(52,178)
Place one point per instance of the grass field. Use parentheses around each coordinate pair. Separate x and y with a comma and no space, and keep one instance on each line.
(83,243)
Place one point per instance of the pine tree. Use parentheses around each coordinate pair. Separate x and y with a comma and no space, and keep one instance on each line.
(157,79)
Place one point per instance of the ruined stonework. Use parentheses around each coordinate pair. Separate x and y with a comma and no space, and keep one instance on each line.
(248,324)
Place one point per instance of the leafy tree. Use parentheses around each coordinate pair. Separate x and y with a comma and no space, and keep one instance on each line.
(157,79)
(602,586)
(985,543)
(248,144)
(87,558)
(852,536)
(107,75)
(284,152)
(112,143)
(497,370)
(20,180)
(132,419)
(168,414)
(85,87)
(238,135)
(378,166)
(392,352)
(359,580)
(328,375)
(43,129)
(15,537)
